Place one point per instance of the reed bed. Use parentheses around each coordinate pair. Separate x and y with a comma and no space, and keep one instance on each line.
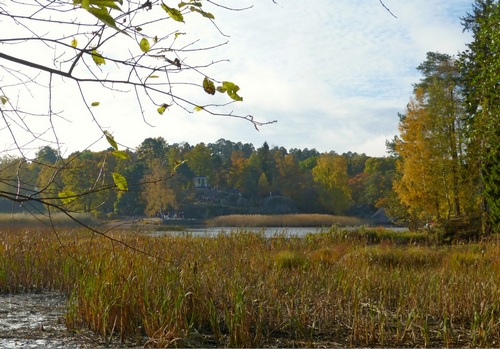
(56,219)
(243,289)
(284,220)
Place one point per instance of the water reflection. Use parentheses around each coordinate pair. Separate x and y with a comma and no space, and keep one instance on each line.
(266,231)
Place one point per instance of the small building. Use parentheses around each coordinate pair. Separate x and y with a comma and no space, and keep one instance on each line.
(200,182)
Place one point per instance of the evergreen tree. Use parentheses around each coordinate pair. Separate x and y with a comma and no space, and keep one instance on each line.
(481,76)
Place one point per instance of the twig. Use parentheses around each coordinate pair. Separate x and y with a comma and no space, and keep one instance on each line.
(392,14)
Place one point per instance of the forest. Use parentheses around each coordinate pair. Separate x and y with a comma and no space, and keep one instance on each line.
(237,178)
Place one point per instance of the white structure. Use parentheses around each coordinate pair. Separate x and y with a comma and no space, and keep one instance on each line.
(200,182)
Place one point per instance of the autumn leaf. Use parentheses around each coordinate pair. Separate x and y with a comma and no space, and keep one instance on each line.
(144,45)
(232,90)
(67,196)
(111,140)
(173,13)
(208,86)
(120,181)
(97,57)
(162,109)
(121,154)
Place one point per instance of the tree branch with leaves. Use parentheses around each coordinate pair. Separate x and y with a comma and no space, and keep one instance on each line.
(100,49)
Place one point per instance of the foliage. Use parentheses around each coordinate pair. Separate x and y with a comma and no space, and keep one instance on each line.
(236,172)
(330,173)
(480,71)
(437,176)
(157,195)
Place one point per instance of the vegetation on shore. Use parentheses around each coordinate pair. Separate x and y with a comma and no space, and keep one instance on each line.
(58,219)
(364,287)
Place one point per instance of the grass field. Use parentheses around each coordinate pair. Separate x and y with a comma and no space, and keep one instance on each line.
(362,288)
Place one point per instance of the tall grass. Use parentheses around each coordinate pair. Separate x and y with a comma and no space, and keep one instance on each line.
(56,219)
(284,220)
(246,290)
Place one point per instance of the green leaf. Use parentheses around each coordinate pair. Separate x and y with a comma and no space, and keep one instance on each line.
(111,140)
(208,86)
(120,181)
(162,108)
(178,34)
(144,45)
(121,154)
(95,104)
(85,4)
(232,90)
(105,3)
(103,15)
(221,89)
(97,57)
(67,196)
(74,42)
(154,76)
(174,13)
(4,99)
(203,13)
(182,4)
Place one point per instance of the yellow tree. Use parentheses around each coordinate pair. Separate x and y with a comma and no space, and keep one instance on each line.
(436,177)
(157,195)
(417,188)
(330,173)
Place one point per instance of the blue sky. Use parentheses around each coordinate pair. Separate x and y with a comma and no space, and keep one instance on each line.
(333,73)
(340,70)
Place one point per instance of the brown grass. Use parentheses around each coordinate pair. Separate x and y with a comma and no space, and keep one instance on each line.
(245,290)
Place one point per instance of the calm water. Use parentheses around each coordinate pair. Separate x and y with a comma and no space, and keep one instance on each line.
(267,231)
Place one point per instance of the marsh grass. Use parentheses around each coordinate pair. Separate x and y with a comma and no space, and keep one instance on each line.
(284,220)
(8,220)
(245,290)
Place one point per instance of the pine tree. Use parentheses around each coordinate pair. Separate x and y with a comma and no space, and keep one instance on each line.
(481,75)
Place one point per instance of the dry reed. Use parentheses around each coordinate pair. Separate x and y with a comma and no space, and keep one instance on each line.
(247,290)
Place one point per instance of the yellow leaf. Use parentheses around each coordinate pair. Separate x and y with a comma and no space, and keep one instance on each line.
(162,109)
(74,42)
(144,45)
(97,57)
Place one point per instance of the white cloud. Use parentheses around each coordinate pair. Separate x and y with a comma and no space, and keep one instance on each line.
(333,73)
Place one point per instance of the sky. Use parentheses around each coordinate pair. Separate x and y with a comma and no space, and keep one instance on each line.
(334,74)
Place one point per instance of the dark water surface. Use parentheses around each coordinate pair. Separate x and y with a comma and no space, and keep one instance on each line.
(36,320)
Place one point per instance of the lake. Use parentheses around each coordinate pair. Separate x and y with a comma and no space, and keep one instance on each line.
(267,231)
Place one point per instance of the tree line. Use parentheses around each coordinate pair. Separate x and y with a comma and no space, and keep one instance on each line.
(160,178)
